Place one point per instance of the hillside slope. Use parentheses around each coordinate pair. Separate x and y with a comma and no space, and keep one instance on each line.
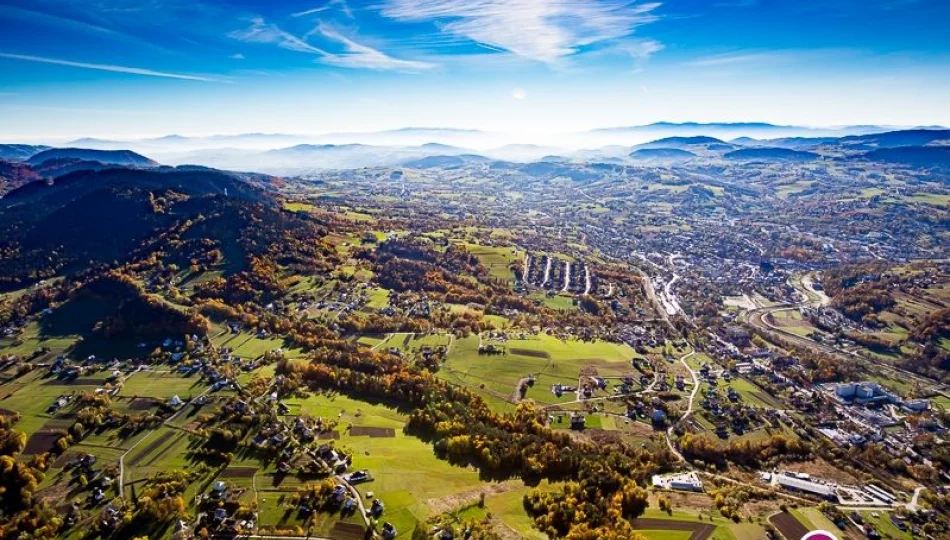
(89,217)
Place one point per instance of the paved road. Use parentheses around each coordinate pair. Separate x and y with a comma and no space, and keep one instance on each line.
(758,318)
(689,407)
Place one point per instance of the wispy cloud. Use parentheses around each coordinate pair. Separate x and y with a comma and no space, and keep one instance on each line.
(108,67)
(773,57)
(261,31)
(332,4)
(543,30)
(353,55)
(359,55)
(726,59)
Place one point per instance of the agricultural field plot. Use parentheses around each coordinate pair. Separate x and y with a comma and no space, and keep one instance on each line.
(549,359)
(33,339)
(508,506)
(752,394)
(161,386)
(250,346)
(812,516)
(659,525)
(277,515)
(164,449)
(411,345)
(666,534)
(378,298)
(792,321)
(789,525)
(407,476)
(32,395)
(885,526)
(941,401)
(555,301)
(496,259)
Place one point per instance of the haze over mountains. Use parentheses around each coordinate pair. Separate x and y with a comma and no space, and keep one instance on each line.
(659,143)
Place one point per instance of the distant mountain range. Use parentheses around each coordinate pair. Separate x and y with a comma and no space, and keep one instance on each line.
(304,157)
(670,154)
(915,156)
(745,129)
(20,152)
(770,154)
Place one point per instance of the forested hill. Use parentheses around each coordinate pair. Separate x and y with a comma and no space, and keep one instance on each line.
(101,216)
(126,158)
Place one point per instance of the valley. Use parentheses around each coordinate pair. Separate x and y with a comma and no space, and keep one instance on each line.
(713,345)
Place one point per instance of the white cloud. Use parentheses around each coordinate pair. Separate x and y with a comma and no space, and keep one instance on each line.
(519,93)
(354,55)
(773,57)
(543,30)
(643,48)
(340,4)
(236,56)
(732,58)
(261,31)
(358,55)
(107,67)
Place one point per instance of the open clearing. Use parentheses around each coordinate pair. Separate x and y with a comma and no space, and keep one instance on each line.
(549,359)
(406,473)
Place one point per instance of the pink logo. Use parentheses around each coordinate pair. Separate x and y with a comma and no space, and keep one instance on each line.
(819,535)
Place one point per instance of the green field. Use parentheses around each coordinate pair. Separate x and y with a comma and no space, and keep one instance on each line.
(724,527)
(665,535)
(885,526)
(32,394)
(249,346)
(549,359)
(408,478)
(161,386)
(496,259)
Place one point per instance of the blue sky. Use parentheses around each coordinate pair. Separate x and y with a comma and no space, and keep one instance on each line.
(131,68)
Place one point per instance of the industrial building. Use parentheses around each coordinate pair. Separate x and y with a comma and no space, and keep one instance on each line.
(804,483)
(682,482)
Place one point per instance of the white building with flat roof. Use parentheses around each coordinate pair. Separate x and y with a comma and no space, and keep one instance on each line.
(804,484)
(688,481)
